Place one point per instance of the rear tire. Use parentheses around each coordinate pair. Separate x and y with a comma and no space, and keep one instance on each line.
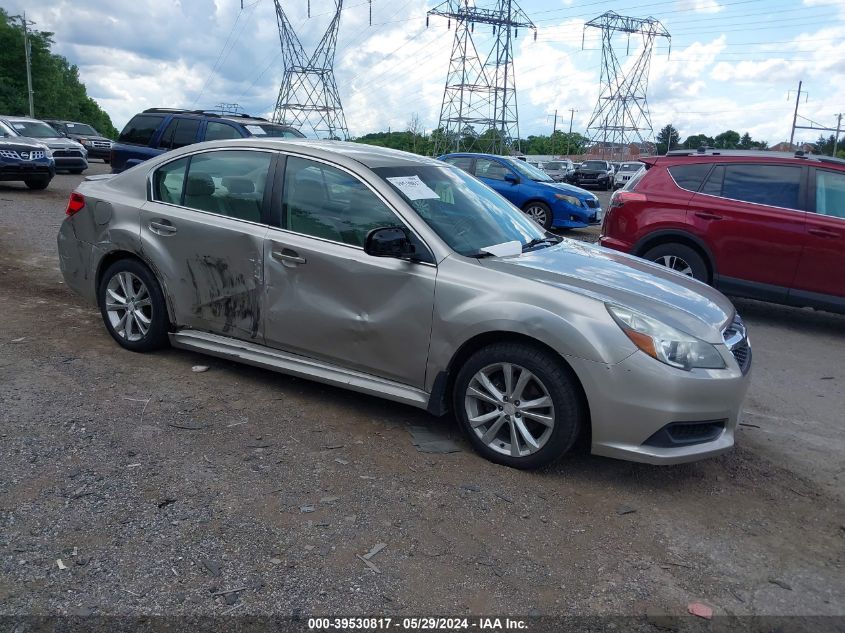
(132,306)
(37,183)
(541,409)
(680,258)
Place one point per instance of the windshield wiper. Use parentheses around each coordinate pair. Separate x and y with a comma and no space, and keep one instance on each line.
(549,239)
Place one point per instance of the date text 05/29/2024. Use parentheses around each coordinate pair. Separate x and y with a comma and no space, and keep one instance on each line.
(416,624)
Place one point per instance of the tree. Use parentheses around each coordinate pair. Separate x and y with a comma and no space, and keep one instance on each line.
(727,140)
(59,94)
(667,138)
(698,140)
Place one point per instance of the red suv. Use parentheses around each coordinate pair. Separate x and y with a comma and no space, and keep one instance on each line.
(763,225)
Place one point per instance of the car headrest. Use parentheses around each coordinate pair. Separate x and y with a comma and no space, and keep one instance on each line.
(310,191)
(239,185)
(200,184)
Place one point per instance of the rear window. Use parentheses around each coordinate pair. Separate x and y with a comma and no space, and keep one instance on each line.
(594,164)
(464,162)
(140,130)
(690,177)
(772,185)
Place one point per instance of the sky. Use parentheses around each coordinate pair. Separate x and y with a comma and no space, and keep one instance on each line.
(733,64)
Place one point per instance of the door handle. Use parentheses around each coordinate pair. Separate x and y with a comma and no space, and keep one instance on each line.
(823,233)
(707,216)
(162,227)
(288,257)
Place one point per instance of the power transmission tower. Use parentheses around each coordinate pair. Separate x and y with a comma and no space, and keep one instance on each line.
(308,94)
(621,116)
(479,110)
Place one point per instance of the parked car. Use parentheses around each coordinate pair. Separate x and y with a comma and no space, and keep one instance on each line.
(406,278)
(594,173)
(560,170)
(764,225)
(98,146)
(551,204)
(25,159)
(158,130)
(626,172)
(68,155)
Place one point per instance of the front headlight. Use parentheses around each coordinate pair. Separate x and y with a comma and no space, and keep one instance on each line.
(85,141)
(575,202)
(47,151)
(665,343)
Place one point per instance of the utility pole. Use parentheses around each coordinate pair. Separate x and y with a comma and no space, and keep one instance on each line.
(27,49)
(795,116)
(572,112)
(554,131)
(838,127)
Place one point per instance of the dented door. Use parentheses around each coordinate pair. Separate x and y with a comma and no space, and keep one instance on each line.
(211,266)
(333,302)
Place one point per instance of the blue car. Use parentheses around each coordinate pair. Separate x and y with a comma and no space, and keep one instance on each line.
(551,204)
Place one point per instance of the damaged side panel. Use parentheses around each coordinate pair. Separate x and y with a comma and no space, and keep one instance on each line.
(212,267)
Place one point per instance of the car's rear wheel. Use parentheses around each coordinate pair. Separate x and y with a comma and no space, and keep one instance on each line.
(540,213)
(133,306)
(519,405)
(37,183)
(680,258)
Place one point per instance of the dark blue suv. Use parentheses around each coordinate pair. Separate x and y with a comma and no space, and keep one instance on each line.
(158,130)
(551,204)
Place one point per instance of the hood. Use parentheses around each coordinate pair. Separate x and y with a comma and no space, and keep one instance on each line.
(613,277)
(570,190)
(20,143)
(59,142)
(88,137)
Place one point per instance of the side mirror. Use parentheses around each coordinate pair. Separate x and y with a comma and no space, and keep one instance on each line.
(512,178)
(389,242)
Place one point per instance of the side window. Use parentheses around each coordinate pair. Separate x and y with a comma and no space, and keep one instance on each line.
(179,132)
(773,185)
(830,193)
(463,162)
(688,177)
(322,201)
(713,186)
(169,181)
(215,131)
(486,168)
(229,183)
(140,130)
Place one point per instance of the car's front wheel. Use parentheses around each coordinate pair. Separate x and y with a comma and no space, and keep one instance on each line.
(540,212)
(680,258)
(519,405)
(37,183)
(133,306)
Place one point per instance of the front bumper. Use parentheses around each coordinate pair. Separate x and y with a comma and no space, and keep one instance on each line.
(633,400)
(102,153)
(22,170)
(568,216)
(592,181)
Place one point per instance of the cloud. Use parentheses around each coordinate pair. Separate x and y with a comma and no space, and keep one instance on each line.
(700,6)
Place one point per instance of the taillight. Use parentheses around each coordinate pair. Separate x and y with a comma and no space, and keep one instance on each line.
(622,197)
(75,204)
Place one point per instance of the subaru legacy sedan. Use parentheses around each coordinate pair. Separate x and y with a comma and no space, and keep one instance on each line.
(406,278)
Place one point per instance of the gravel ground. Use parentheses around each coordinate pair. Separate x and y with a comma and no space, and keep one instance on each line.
(131,485)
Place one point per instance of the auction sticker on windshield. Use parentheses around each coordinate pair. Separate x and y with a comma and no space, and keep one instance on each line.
(413,188)
(256,129)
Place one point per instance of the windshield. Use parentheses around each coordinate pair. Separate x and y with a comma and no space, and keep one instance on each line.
(631,166)
(556,165)
(527,171)
(464,212)
(81,128)
(273,131)
(594,164)
(34,129)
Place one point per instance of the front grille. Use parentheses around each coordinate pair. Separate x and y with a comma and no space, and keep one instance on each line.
(742,354)
(686,433)
(592,203)
(736,339)
(35,154)
(7,153)
(69,153)
(101,144)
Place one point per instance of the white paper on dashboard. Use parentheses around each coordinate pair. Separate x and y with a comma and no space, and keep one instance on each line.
(257,130)
(413,187)
(504,249)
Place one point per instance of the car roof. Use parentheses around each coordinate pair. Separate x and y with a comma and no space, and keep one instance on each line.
(244,119)
(711,155)
(20,118)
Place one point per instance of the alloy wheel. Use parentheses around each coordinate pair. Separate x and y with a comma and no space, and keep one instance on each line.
(537,213)
(129,306)
(509,409)
(675,263)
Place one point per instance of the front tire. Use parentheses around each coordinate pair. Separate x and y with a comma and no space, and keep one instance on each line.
(680,258)
(132,306)
(519,405)
(37,183)
(540,212)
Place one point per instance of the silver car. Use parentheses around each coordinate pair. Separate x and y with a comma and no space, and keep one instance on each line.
(406,278)
(626,172)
